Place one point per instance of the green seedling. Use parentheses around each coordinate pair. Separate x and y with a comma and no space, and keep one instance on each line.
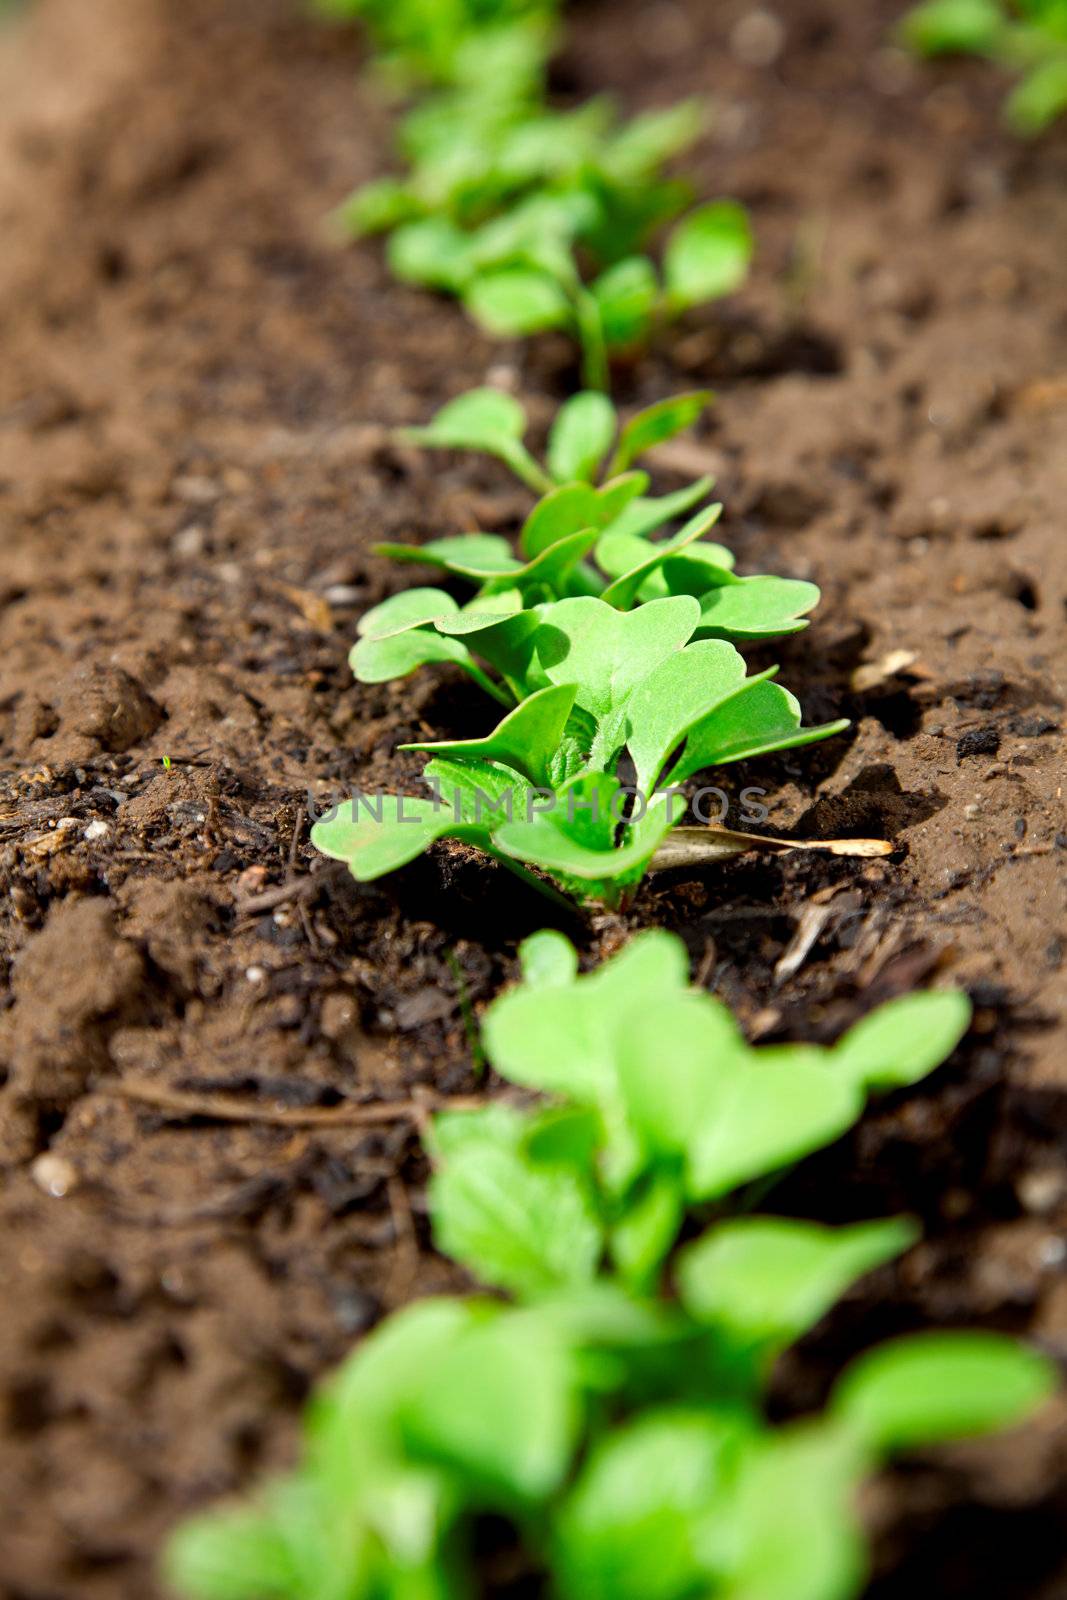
(1029,37)
(619,1429)
(588,534)
(544,789)
(587,443)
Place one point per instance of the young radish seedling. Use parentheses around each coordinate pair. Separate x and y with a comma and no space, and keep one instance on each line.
(619,1431)
(544,789)
(588,535)
(507,202)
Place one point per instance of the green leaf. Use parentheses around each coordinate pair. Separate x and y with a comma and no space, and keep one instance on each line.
(631,1529)
(561,512)
(568,1046)
(768,1280)
(381,834)
(399,654)
(526,739)
(626,297)
(580,437)
(936,1386)
(644,516)
(945,27)
(571,843)
(656,424)
(1040,98)
(512,301)
(903,1040)
(500,1408)
(236,1555)
(761,717)
(549,960)
(676,696)
(411,608)
(708,254)
(431,252)
(646,141)
(483,419)
(608,653)
(695,1092)
(623,591)
(475,556)
(518,1224)
(377,207)
(642,1237)
(790,1532)
(749,609)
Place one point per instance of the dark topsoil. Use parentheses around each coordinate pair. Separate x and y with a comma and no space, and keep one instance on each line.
(195,396)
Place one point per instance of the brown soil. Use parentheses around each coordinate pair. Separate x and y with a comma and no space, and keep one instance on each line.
(194,401)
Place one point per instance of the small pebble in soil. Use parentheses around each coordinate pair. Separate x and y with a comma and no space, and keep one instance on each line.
(1042,1190)
(96,830)
(256,974)
(54,1174)
(979,742)
(757,39)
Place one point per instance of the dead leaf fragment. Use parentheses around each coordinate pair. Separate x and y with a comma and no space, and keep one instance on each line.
(872,673)
(691,847)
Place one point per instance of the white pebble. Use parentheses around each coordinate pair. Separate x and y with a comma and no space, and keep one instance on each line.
(758,39)
(256,974)
(54,1175)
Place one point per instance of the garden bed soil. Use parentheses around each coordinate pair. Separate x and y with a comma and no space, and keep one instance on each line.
(196,394)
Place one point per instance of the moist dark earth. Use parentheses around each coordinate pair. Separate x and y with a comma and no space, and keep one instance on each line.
(200,1213)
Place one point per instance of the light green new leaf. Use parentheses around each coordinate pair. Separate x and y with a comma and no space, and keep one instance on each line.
(608,653)
(761,717)
(642,1238)
(568,1045)
(623,591)
(411,608)
(483,419)
(675,696)
(632,1527)
(656,424)
(695,1093)
(526,1226)
(580,437)
(432,252)
(762,607)
(790,1532)
(646,141)
(944,27)
(517,300)
(708,254)
(561,512)
(500,1408)
(378,207)
(644,516)
(548,959)
(232,1555)
(1041,97)
(371,844)
(776,1108)
(935,1386)
(476,556)
(626,297)
(398,654)
(526,739)
(903,1040)
(767,1280)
